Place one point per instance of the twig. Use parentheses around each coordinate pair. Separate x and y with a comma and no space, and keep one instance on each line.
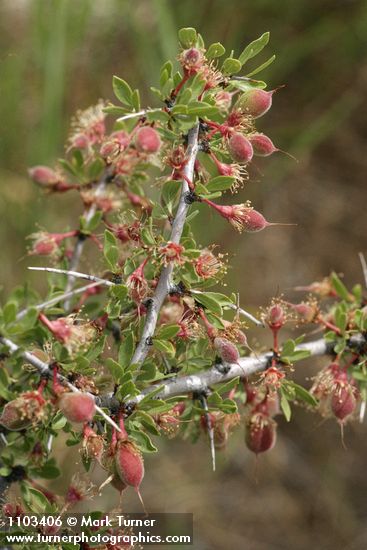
(88,215)
(209,426)
(72,274)
(163,285)
(364,267)
(45,370)
(138,113)
(219,373)
(56,299)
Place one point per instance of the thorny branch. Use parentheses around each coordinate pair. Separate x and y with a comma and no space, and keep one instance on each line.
(219,373)
(164,281)
(78,250)
(46,370)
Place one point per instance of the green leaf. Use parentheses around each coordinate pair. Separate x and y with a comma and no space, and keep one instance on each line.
(179,109)
(304,395)
(187,37)
(168,332)
(231,66)
(170,192)
(115,369)
(10,312)
(29,319)
(59,421)
(149,396)
(262,67)
(245,86)
(254,48)
(146,421)
(215,50)
(94,221)
(288,348)
(115,110)
(143,441)
(209,302)
(110,250)
(341,319)
(119,291)
(297,355)
(200,108)
(127,391)
(126,350)
(122,90)
(48,470)
(147,237)
(228,386)
(339,287)
(35,500)
(135,100)
(96,169)
(220,183)
(285,405)
(147,372)
(164,346)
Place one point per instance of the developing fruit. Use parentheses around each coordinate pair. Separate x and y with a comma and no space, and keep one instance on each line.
(255,102)
(147,140)
(26,409)
(240,148)
(262,145)
(129,465)
(260,433)
(343,401)
(77,406)
(226,350)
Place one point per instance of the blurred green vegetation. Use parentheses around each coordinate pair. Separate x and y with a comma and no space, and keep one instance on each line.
(58,56)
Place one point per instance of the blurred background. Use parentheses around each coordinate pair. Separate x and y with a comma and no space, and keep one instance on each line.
(60,55)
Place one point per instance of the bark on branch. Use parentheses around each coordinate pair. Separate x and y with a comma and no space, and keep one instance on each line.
(164,281)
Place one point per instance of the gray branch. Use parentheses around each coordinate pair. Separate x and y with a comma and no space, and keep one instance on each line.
(220,373)
(56,299)
(78,250)
(45,370)
(163,286)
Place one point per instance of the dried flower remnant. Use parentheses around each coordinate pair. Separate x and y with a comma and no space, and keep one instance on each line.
(75,337)
(88,127)
(48,244)
(137,283)
(172,252)
(208,265)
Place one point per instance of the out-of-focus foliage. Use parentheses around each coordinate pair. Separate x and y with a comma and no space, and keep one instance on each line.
(58,56)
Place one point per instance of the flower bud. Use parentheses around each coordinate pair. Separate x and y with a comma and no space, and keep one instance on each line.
(306,311)
(260,435)
(255,102)
(93,444)
(276,316)
(192,59)
(343,401)
(12,417)
(262,145)
(223,100)
(77,407)
(226,350)
(147,140)
(43,175)
(240,148)
(23,411)
(12,510)
(129,464)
